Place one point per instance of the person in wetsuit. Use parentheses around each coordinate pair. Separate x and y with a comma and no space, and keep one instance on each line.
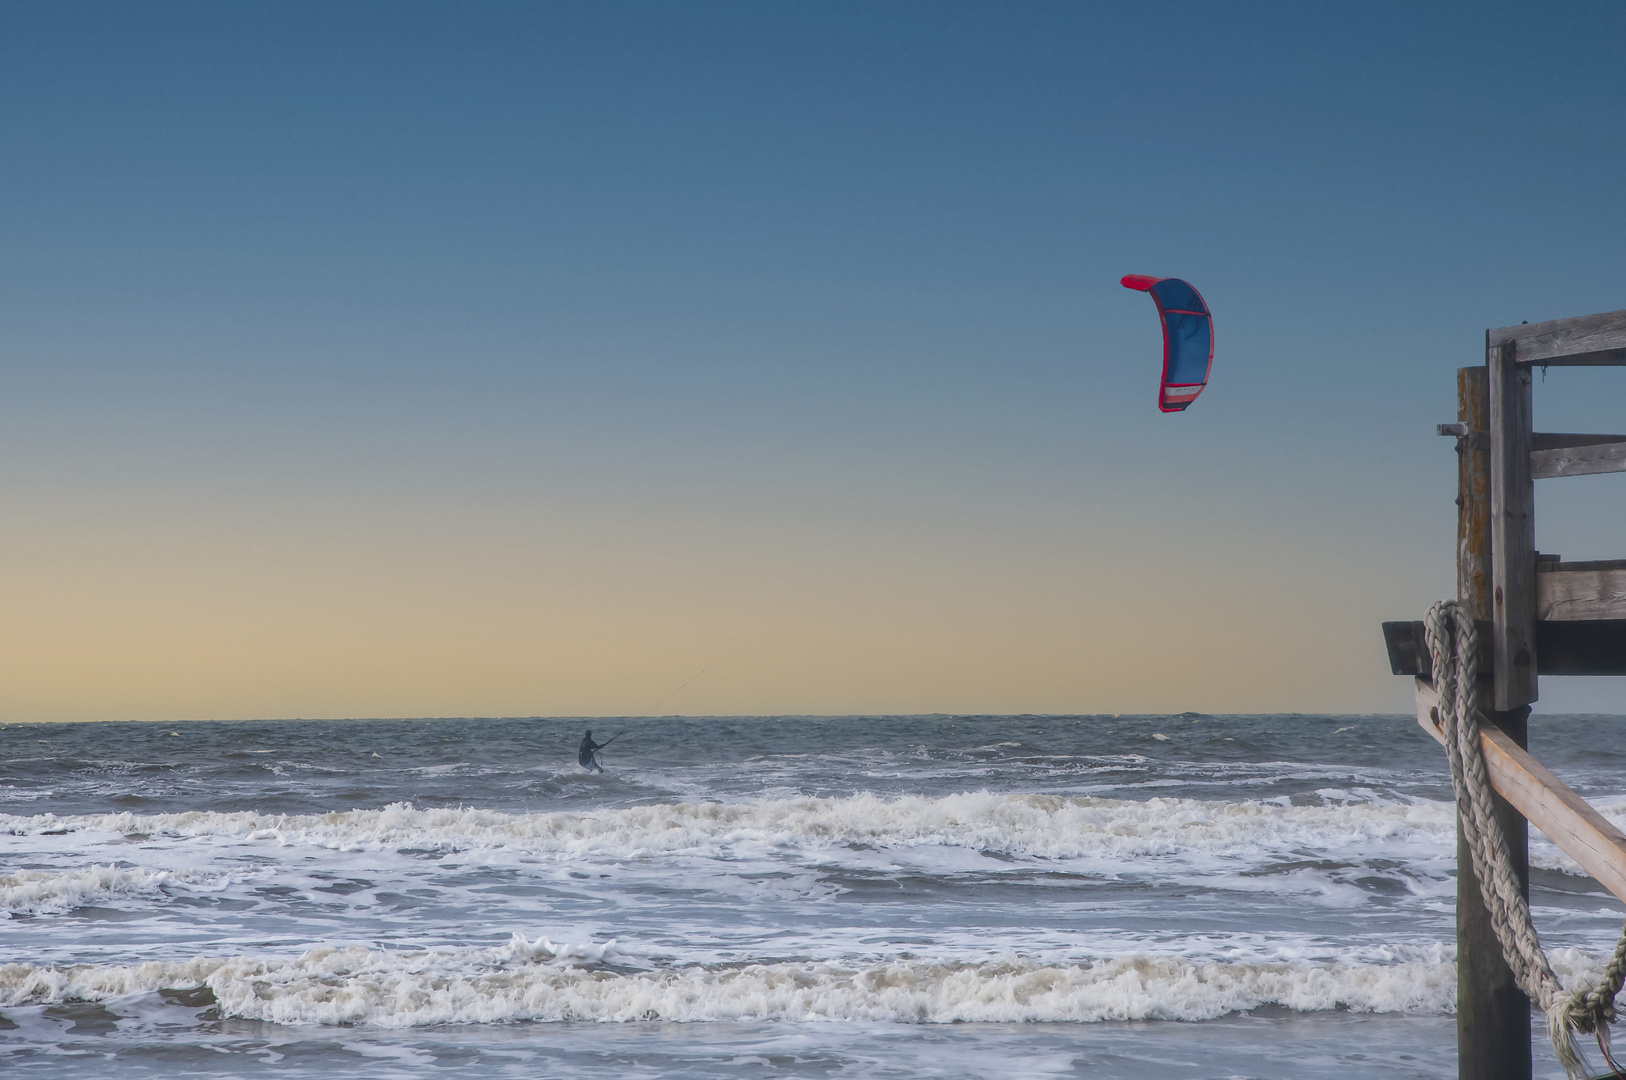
(584,755)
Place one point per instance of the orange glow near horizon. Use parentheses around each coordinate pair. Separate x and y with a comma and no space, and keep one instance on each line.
(341,619)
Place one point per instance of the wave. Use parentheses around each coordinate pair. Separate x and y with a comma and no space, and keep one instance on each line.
(541,981)
(1034,825)
(49,892)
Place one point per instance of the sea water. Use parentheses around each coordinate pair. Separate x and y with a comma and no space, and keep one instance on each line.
(944,896)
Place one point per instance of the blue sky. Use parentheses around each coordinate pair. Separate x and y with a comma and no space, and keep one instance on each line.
(418,359)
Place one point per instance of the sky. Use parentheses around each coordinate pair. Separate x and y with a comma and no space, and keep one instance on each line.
(445,359)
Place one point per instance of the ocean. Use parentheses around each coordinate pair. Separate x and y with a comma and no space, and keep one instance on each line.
(1181,896)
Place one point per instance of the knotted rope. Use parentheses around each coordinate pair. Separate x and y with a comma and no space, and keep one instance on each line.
(1453,646)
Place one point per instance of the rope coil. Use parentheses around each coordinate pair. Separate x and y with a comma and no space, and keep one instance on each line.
(1453,645)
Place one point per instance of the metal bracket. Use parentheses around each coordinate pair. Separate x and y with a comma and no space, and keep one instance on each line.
(1466,440)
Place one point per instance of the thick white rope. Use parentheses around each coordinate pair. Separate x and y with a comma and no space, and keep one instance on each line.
(1453,645)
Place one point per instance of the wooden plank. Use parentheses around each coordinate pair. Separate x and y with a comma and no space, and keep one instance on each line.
(1603,358)
(1579,338)
(1555,440)
(1578,461)
(1549,564)
(1589,647)
(1407,648)
(1571,592)
(1546,801)
(1563,647)
(1513,530)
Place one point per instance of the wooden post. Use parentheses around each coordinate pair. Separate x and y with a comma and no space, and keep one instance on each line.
(1473,493)
(1493,1014)
(1513,529)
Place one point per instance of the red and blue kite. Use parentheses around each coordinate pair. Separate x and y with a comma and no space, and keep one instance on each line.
(1188,338)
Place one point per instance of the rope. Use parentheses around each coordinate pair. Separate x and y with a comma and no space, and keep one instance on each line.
(1453,645)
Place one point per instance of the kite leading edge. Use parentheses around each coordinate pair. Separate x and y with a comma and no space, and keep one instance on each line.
(1188,338)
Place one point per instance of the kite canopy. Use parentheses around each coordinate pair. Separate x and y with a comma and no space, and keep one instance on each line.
(1188,338)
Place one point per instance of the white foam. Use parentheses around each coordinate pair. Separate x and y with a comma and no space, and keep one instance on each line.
(1040,826)
(544,982)
(53,891)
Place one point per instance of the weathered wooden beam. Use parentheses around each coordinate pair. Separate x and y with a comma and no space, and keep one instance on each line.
(1563,647)
(1602,358)
(1587,340)
(1581,591)
(1493,1014)
(1581,648)
(1547,802)
(1557,440)
(1513,529)
(1407,648)
(1473,492)
(1578,460)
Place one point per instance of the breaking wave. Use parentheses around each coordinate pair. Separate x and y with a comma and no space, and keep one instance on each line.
(541,981)
(1041,826)
(39,892)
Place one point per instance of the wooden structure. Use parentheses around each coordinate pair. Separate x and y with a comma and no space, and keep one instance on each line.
(1537,616)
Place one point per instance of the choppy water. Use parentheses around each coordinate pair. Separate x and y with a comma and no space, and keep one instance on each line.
(859,897)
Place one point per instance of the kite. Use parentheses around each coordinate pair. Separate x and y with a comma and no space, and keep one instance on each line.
(1188,338)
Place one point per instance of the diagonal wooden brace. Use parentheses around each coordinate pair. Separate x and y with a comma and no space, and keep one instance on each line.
(1568,821)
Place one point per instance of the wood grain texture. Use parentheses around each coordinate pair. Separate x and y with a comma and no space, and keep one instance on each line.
(1546,801)
(1604,358)
(1513,530)
(1570,594)
(1578,461)
(1493,1014)
(1473,492)
(1554,440)
(1547,342)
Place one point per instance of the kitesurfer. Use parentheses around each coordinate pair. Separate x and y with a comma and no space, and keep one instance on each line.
(584,754)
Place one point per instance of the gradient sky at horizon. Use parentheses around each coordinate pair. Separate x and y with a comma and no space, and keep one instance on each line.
(422,359)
